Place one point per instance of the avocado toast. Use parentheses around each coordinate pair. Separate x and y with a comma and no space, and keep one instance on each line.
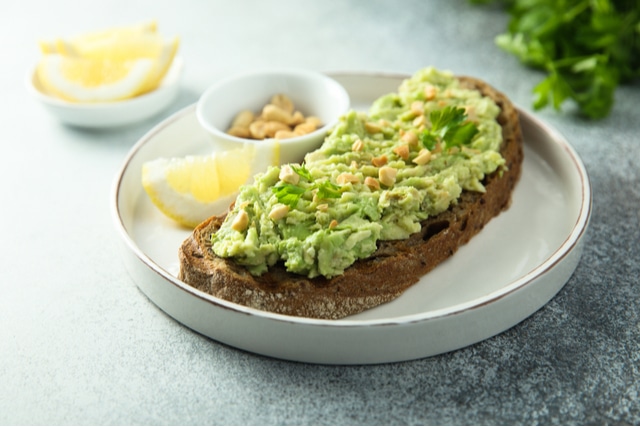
(387,250)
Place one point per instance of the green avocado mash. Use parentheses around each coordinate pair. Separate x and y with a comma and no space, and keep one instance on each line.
(376,176)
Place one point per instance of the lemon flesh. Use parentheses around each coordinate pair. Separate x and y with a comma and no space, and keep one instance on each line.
(192,188)
(87,80)
(85,42)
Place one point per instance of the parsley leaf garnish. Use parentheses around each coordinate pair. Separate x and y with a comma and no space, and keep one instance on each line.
(448,126)
(447,117)
(288,194)
(460,135)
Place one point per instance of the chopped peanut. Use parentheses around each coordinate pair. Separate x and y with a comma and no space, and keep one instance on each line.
(402,151)
(411,138)
(322,207)
(357,146)
(287,174)
(387,175)
(372,127)
(419,121)
(241,221)
(333,223)
(470,111)
(379,161)
(372,183)
(278,211)
(430,92)
(346,177)
(423,157)
(417,108)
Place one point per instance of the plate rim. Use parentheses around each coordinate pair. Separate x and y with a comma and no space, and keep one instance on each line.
(572,240)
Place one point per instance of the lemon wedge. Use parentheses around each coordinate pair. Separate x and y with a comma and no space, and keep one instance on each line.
(192,188)
(106,66)
(88,80)
(93,39)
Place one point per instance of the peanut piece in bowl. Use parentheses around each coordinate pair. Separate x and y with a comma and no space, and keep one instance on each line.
(278,119)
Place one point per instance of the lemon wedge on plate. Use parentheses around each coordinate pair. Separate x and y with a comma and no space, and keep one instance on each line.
(192,188)
(106,66)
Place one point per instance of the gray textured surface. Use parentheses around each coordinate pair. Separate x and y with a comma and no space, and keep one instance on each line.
(79,344)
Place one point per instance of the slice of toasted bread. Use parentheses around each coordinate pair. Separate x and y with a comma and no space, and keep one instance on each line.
(396,264)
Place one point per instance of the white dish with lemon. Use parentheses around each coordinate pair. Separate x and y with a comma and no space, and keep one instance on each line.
(501,277)
(107,78)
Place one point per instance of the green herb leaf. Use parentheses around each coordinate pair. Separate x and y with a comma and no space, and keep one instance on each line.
(460,135)
(587,48)
(450,127)
(442,120)
(288,194)
(328,190)
(302,171)
(428,140)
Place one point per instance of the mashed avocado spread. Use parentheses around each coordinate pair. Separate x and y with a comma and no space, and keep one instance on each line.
(376,176)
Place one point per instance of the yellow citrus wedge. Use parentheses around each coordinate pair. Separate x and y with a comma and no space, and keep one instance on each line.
(162,64)
(89,80)
(107,66)
(96,38)
(126,47)
(190,189)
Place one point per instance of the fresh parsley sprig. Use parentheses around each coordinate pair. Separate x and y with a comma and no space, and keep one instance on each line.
(586,49)
(450,127)
(289,194)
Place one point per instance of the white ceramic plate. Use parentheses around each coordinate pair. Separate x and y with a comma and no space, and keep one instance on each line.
(511,269)
(110,114)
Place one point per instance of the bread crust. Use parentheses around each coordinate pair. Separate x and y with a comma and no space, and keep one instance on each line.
(393,267)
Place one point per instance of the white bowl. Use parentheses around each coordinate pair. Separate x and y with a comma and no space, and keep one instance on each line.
(312,93)
(110,114)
